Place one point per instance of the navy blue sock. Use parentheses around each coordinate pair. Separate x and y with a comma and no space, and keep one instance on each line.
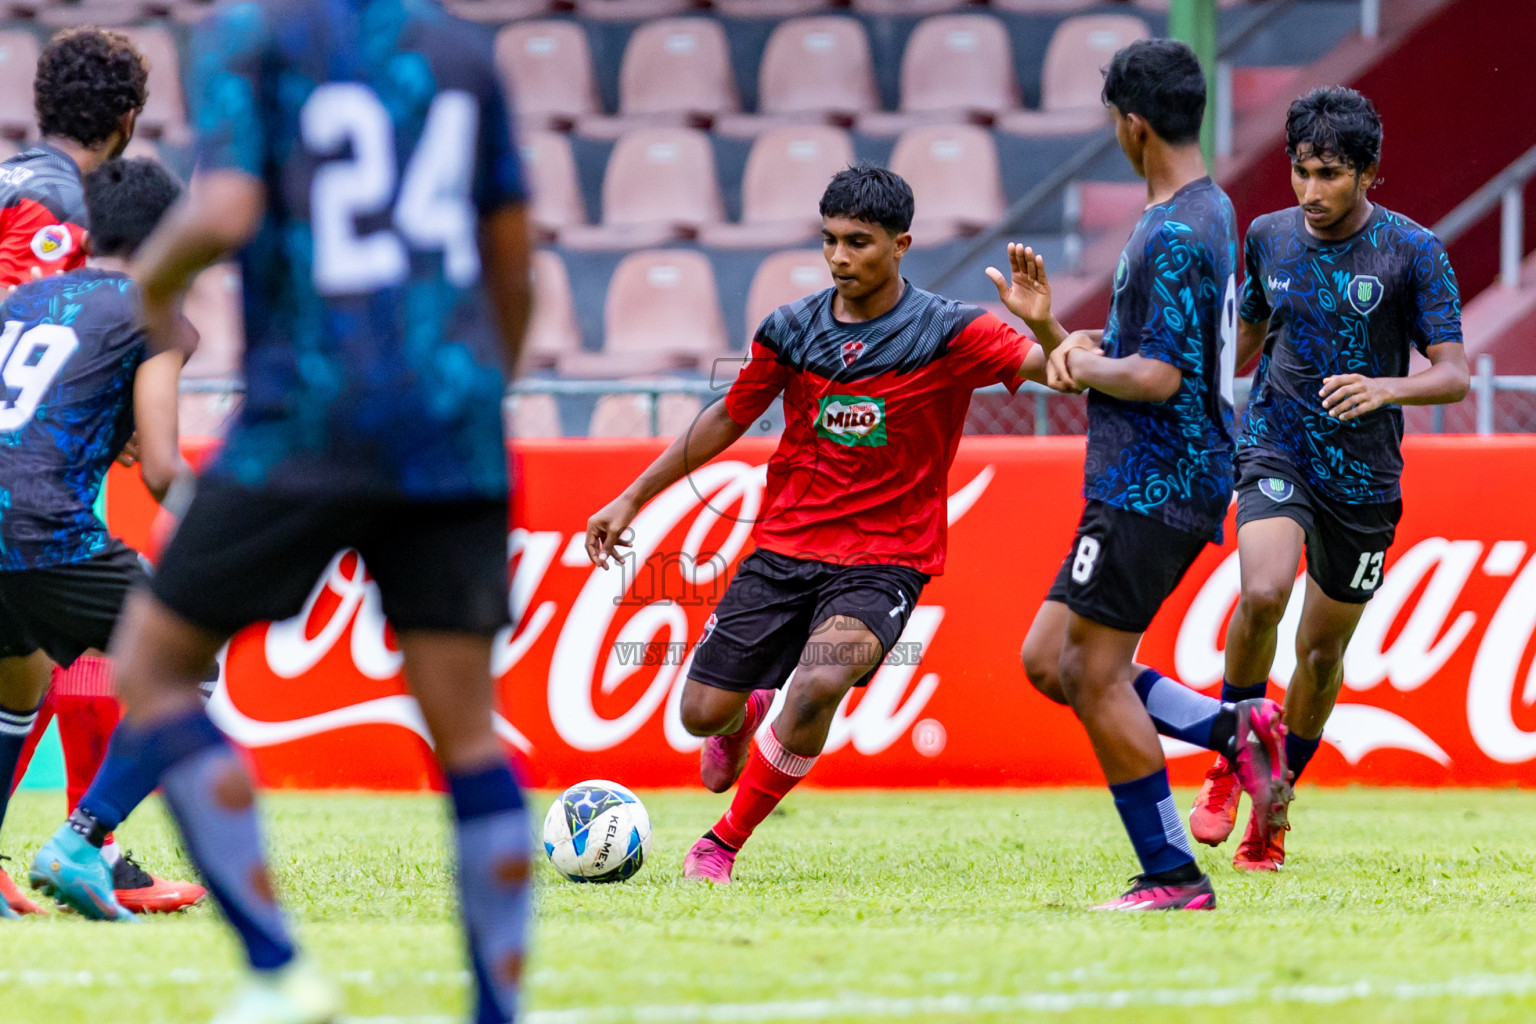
(1232,694)
(212,799)
(1298,752)
(15,727)
(1152,820)
(494,846)
(123,781)
(1182,713)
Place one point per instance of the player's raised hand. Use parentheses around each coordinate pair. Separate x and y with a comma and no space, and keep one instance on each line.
(1025,290)
(608,531)
(1348,396)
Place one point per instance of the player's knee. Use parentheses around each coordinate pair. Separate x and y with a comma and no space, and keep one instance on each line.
(1041,668)
(703,716)
(1073,676)
(1264,601)
(1324,660)
(817,691)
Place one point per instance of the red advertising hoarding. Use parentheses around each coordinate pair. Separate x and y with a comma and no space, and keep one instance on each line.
(1439,682)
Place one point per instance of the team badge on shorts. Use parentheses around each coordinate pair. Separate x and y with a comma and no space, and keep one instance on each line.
(1276,489)
(1365,293)
(52,243)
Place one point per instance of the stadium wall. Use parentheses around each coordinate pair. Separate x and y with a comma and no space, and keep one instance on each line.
(1439,687)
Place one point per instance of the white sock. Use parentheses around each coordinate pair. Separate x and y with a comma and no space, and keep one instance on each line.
(110,853)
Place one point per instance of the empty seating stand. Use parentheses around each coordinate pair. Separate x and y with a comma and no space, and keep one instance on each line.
(813,69)
(786,173)
(675,71)
(662,315)
(1070,81)
(659,186)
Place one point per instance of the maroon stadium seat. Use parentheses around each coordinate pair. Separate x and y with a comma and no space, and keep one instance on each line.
(675,71)
(770,8)
(956,67)
(781,279)
(552,330)
(1071,81)
(659,185)
(813,69)
(955,181)
(496,12)
(1042,6)
(165,114)
(18,69)
(1103,205)
(787,171)
(550,168)
(907,8)
(631,10)
(548,66)
(662,314)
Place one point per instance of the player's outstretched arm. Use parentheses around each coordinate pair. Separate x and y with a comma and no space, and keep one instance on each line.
(712,433)
(504,253)
(1347,396)
(1132,378)
(220,213)
(156,388)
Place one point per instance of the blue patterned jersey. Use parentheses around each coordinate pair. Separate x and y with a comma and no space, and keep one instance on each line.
(70,347)
(1175,301)
(1350,306)
(372,362)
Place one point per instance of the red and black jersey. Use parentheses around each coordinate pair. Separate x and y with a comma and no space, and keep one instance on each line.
(42,214)
(872,417)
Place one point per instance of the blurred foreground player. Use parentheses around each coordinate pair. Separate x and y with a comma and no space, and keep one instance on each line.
(81,381)
(88,90)
(359,154)
(1157,480)
(876,377)
(1338,290)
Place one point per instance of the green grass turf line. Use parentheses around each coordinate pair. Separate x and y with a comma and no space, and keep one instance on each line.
(852,896)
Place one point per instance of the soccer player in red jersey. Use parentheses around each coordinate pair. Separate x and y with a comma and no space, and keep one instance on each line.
(90,86)
(876,377)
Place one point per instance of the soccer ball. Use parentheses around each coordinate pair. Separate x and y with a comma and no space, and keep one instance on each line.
(597,831)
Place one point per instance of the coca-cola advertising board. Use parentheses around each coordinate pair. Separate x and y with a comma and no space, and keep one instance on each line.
(1439,684)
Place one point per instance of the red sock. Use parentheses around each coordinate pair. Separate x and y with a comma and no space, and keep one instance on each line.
(86,701)
(45,713)
(770,774)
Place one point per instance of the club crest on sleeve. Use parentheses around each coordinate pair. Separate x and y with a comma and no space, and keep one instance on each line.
(1365,293)
(1122,272)
(52,243)
(851,351)
(1276,489)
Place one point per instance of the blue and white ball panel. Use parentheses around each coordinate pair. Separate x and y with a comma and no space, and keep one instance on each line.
(597,831)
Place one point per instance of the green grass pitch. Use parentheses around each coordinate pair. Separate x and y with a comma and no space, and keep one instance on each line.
(1401,906)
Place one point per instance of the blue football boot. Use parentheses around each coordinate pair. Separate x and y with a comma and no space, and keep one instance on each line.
(73,872)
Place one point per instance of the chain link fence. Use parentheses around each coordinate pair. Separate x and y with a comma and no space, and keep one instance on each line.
(664,408)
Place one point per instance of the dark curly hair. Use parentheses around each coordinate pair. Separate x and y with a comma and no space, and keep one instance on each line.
(1335,122)
(87,79)
(126,199)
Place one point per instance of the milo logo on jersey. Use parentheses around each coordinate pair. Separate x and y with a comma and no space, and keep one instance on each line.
(852,420)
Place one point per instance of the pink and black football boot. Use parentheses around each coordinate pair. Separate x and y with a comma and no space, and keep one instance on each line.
(1146,894)
(1260,765)
(1214,814)
(723,758)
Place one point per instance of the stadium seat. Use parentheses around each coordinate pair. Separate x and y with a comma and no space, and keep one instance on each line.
(535,416)
(18,68)
(787,171)
(1071,81)
(553,332)
(1252,88)
(813,69)
(165,114)
(105,13)
(631,10)
(1094,206)
(1042,6)
(953,171)
(550,169)
(659,186)
(214,307)
(496,12)
(675,71)
(548,67)
(770,8)
(630,415)
(956,67)
(907,8)
(781,279)
(1162,6)
(662,314)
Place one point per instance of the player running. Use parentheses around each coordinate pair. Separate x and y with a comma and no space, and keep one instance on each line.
(1338,289)
(1157,479)
(89,88)
(74,355)
(876,377)
(360,156)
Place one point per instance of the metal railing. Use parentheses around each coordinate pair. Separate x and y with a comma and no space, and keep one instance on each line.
(1507,191)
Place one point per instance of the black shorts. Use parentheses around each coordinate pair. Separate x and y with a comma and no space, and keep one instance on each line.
(66,610)
(1122,567)
(242,556)
(1346,544)
(764,623)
